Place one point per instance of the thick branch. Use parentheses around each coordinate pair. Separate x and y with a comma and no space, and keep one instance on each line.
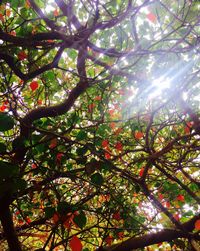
(49,22)
(11,63)
(161,207)
(8,227)
(174,178)
(62,108)
(33,41)
(67,10)
(56,110)
(153,238)
(26,226)
(111,52)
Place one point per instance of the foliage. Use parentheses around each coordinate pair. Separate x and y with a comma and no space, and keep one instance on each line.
(99,125)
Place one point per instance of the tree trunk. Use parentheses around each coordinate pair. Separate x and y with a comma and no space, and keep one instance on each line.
(8,228)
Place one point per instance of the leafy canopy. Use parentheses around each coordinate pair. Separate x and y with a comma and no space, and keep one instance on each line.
(99,125)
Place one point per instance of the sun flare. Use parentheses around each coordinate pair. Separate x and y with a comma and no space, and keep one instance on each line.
(158,86)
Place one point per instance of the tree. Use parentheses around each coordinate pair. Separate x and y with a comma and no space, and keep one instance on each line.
(99,125)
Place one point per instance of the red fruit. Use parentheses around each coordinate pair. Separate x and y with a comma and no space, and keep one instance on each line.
(34,166)
(112,125)
(119,146)
(189,124)
(176,216)
(141,172)
(188,127)
(107,156)
(39,102)
(28,220)
(21,222)
(75,244)
(91,107)
(1,17)
(34,85)
(56,13)
(109,240)
(187,130)
(151,17)
(17,213)
(21,55)
(59,156)
(2,108)
(116,216)
(138,135)
(160,196)
(105,143)
(180,197)
(197,225)
(120,235)
(98,98)
(166,204)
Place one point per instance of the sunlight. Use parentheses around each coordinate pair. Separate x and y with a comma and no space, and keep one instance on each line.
(49,8)
(159,85)
(185,96)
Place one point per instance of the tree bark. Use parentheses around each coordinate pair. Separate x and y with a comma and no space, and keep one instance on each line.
(8,228)
(154,238)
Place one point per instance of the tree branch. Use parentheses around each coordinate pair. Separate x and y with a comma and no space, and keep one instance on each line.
(11,63)
(49,22)
(8,227)
(67,10)
(154,238)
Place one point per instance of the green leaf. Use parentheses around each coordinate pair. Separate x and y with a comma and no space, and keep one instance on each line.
(2,147)
(80,219)
(6,122)
(81,135)
(72,54)
(63,208)
(81,151)
(5,187)
(19,185)
(105,167)
(16,4)
(81,160)
(18,143)
(8,170)
(49,212)
(50,76)
(97,179)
